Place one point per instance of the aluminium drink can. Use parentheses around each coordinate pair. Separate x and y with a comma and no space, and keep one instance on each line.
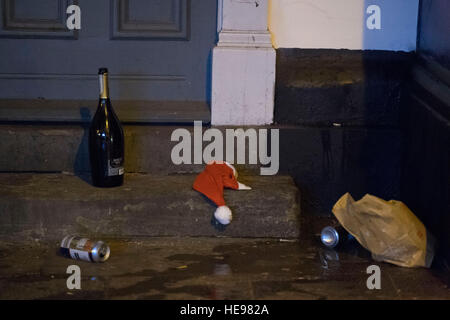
(84,249)
(335,237)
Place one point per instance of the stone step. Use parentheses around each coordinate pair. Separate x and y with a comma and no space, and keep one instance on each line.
(64,148)
(82,111)
(319,87)
(325,162)
(49,206)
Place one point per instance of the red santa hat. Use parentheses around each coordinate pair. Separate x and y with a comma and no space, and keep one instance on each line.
(211,182)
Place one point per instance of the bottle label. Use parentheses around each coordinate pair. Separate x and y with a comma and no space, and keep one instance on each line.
(115,167)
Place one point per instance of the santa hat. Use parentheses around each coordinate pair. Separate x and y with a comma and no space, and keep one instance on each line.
(211,182)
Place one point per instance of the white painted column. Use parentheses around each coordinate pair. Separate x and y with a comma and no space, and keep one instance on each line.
(243,71)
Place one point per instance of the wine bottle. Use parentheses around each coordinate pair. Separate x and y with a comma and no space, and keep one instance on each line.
(106,141)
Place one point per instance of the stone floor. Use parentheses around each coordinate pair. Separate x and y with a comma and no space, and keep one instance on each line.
(211,268)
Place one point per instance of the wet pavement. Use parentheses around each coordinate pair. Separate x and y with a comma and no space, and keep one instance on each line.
(210,268)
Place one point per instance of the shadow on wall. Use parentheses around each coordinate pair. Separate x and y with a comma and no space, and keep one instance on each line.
(209,62)
(434,27)
(426,121)
(81,167)
(391,26)
(372,141)
(345,105)
(343,109)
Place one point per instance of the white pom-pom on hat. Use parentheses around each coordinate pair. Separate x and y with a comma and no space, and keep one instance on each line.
(223,215)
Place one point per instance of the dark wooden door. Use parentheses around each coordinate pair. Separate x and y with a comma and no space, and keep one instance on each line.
(156,50)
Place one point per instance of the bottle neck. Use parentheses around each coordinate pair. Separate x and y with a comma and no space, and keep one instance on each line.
(104,87)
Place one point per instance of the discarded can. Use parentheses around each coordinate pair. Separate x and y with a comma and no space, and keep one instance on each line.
(335,237)
(84,249)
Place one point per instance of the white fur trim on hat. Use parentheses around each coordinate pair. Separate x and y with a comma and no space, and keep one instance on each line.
(223,215)
(242,186)
(233,168)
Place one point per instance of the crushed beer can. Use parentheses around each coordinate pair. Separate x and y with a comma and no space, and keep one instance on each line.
(84,249)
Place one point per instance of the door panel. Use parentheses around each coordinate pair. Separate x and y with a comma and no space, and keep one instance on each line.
(154,49)
(157,19)
(23,18)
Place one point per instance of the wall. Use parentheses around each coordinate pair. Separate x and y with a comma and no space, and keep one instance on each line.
(434,24)
(332,24)
(426,124)
(425,168)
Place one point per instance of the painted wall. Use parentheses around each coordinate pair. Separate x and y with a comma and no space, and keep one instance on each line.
(341,24)
(434,30)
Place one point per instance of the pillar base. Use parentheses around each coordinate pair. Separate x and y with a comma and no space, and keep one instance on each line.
(243,85)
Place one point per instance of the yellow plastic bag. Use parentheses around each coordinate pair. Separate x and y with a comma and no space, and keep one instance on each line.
(388,229)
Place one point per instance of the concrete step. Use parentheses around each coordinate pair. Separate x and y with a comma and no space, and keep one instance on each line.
(319,87)
(64,148)
(325,162)
(82,111)
(49,206)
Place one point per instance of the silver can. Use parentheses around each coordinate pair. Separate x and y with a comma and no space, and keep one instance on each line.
(84,249)
(335,237)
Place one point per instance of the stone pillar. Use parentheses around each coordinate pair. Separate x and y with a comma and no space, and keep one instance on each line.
(243,70)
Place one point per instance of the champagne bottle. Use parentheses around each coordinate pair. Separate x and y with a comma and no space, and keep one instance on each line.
(106,141)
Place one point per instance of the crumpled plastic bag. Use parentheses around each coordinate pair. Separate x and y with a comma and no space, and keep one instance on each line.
(388,229)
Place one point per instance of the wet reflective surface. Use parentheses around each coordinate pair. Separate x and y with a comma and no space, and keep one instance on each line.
(211,268)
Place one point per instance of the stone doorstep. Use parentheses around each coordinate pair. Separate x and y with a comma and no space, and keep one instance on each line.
(60,148)
(82,111)
(49,206)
